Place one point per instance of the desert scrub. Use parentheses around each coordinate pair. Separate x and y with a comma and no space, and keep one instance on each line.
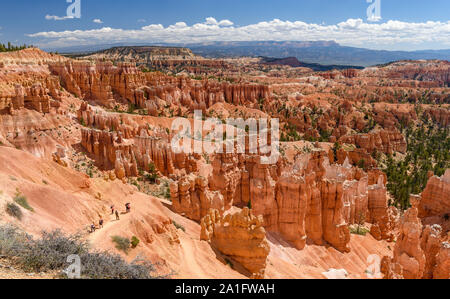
(178,226)
(13,210)
(358,230)
(50,252)
(135,242)
(22,201)
(122,244)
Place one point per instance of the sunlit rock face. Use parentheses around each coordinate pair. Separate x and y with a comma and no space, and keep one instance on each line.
(239,236)
(421,252)
(436,197)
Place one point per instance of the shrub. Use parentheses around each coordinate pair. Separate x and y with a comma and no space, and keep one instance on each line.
(13,210)
(52,249)
(12,240)
(358,230)
(122,244)
(135,242)
(21,200)
(229,263)
(102,265)
(179,226)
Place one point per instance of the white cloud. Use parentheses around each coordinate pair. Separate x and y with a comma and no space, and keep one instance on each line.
(141,21)
(56,18)
(97,21)
(226,23)
(353,32)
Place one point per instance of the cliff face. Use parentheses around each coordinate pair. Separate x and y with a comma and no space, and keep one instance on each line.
(422,251)
(192,198)
(385,141)
(436,197)
(239,236)
(419,251)
(309,200)
(103,82)
(384,219)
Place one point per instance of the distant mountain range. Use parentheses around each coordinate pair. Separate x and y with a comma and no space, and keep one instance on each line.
(325,53)
(294,62)
(318,52)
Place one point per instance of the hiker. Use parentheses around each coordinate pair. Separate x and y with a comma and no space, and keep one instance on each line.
(117,215)
(128,207)
(93,227)
(112,210)
(100,223)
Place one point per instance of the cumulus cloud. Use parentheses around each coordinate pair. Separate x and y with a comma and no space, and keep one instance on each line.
(352,32)
(97,21)
(56,18)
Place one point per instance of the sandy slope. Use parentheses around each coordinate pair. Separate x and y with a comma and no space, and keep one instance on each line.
(63,198)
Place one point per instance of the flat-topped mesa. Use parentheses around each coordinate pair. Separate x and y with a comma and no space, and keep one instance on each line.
(240,236)
(386,141)
(421,252)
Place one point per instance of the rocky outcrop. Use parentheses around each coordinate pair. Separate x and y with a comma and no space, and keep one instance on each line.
(442,269)
(60,156)
(420,252)
(358,157)
(409,257)
(435,199)
(191,197)
(103,82)
(240,236)
(308,200)
(384,141)
(382,217)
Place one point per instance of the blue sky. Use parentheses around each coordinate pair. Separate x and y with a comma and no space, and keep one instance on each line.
(24,21)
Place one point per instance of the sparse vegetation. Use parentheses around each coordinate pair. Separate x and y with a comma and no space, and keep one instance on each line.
(178,226)
(229,263)
(11,48)
(122,244)
(358,230)
(22,201)
(50,252)
(152,174)
(428,150)
(135,241)
(13,210)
